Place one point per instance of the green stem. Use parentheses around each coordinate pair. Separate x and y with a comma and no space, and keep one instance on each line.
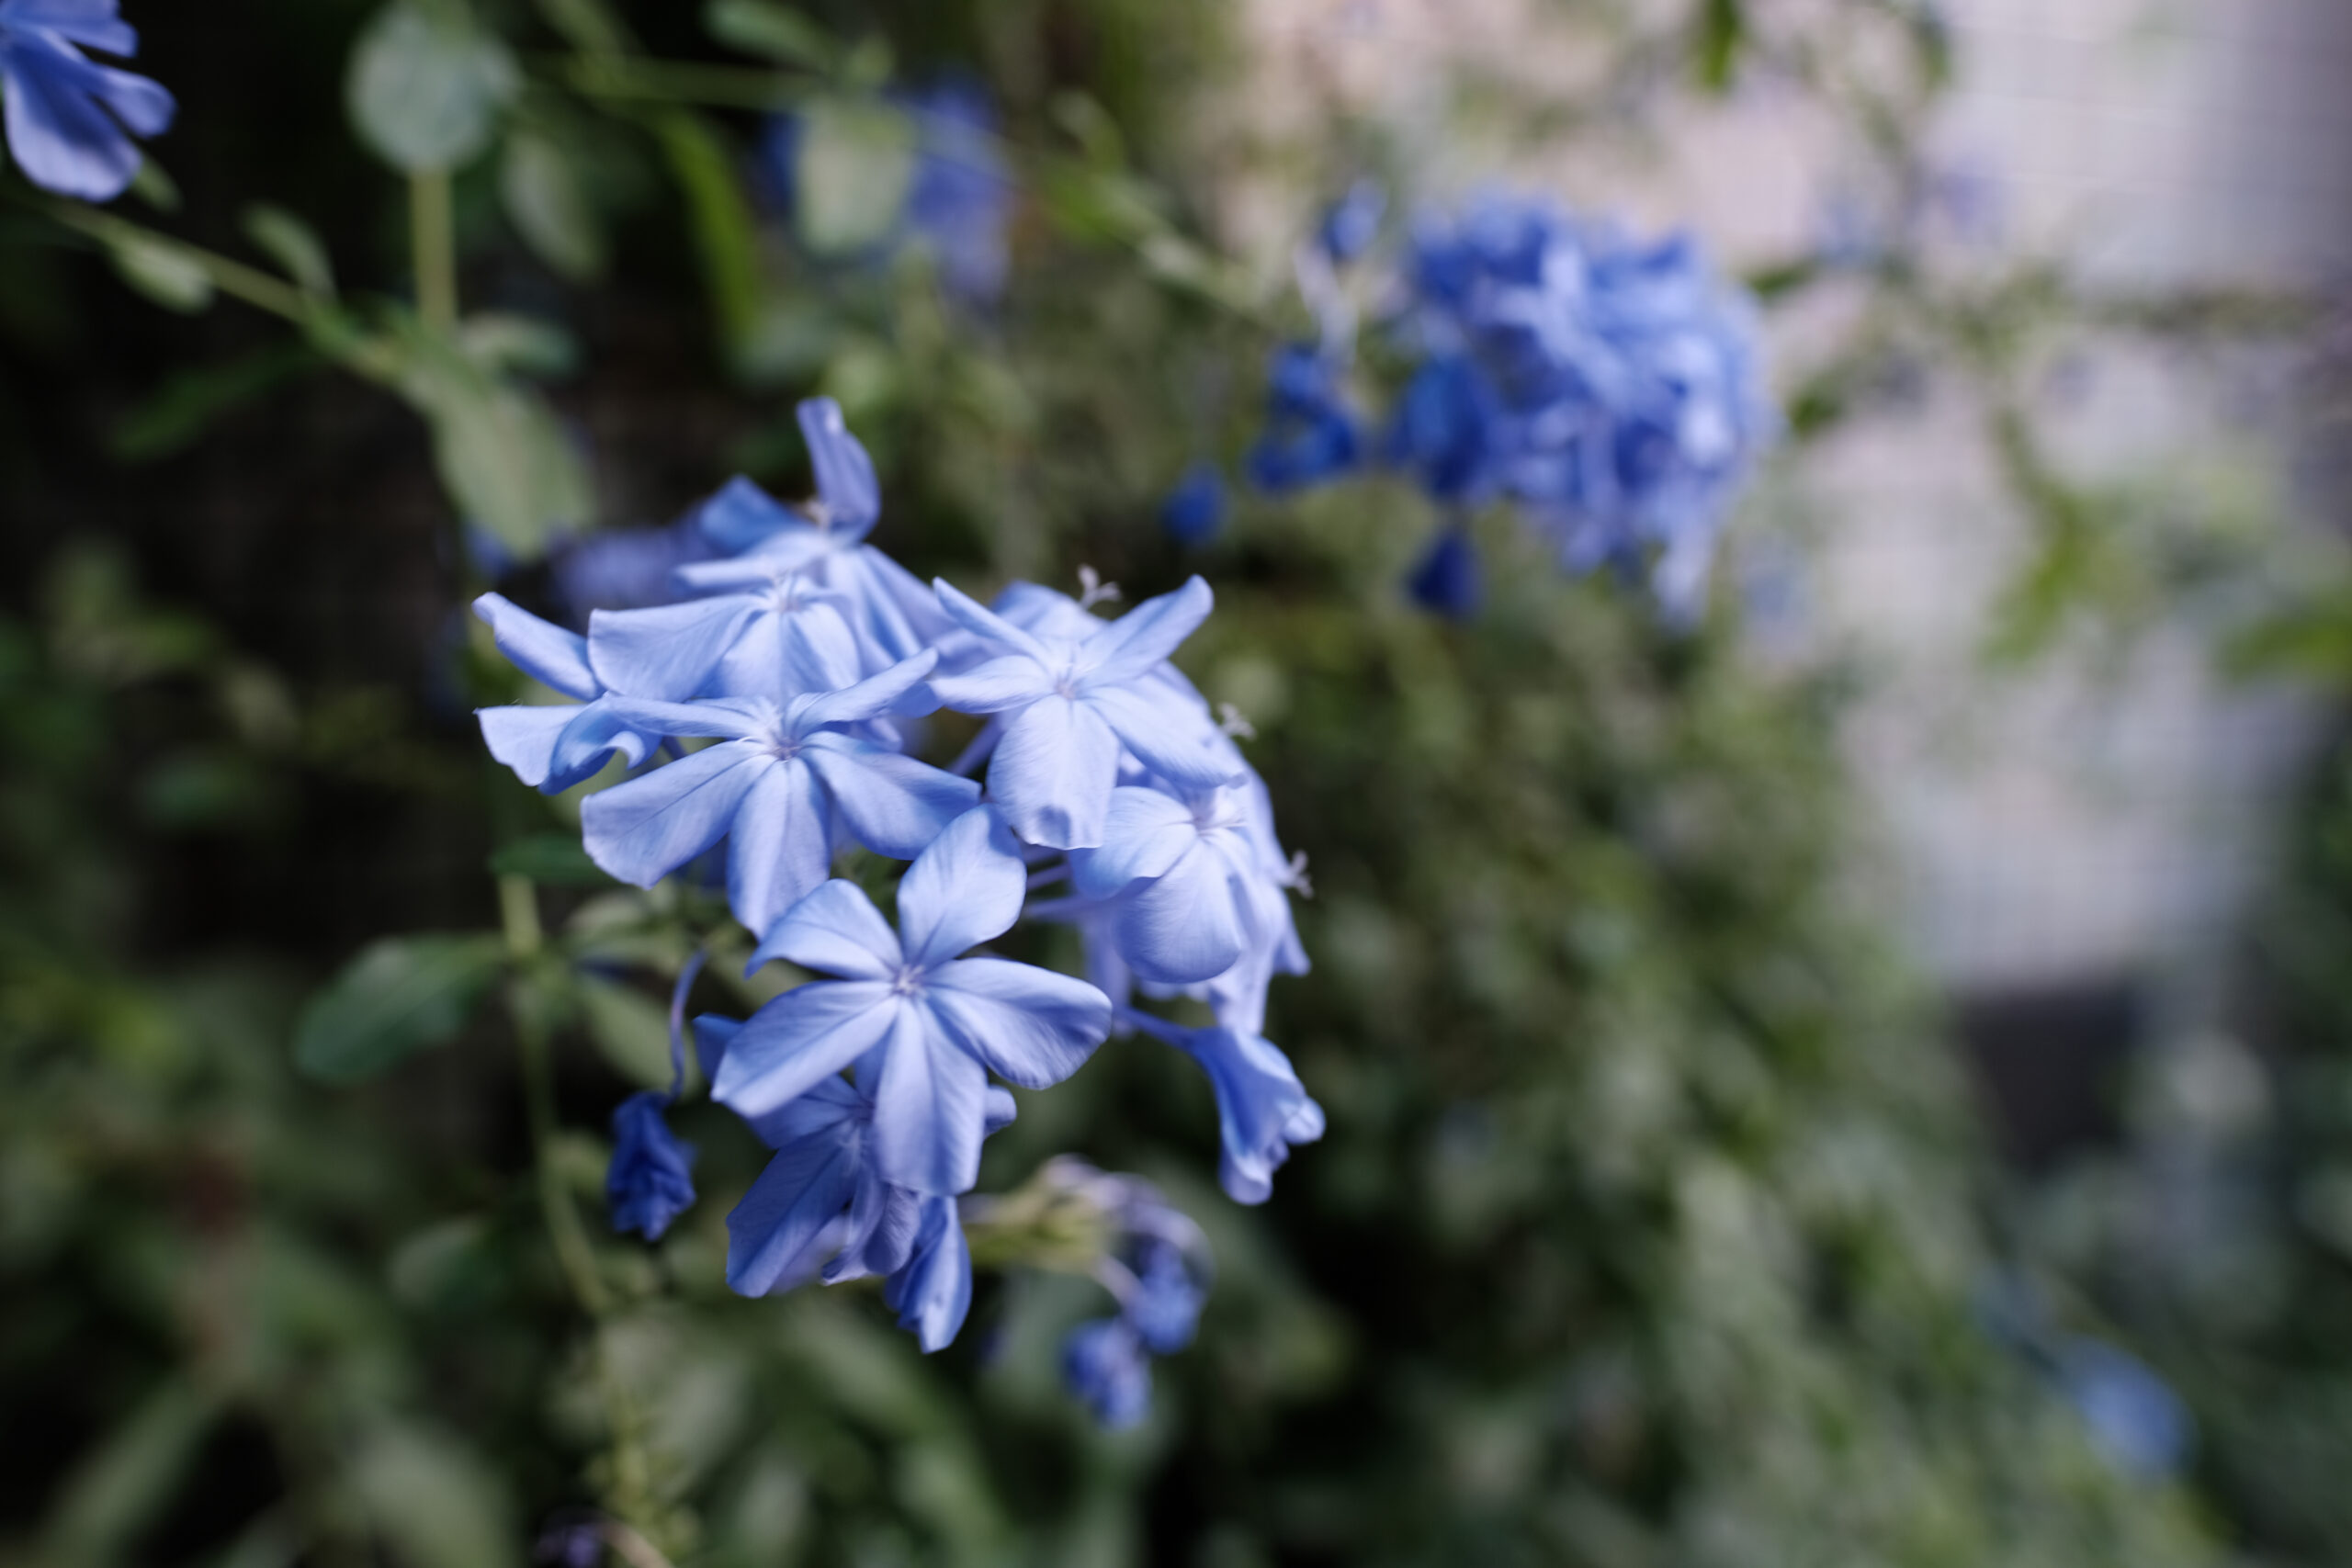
(235,279)
(432,244)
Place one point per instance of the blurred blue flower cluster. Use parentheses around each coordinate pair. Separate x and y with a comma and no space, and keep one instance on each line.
(1609,388)
(762,719)
(71,120)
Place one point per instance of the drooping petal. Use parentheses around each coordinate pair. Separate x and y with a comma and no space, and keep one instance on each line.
(523,738)
(870,698)
(1163,730)
(781,847)
(930,1106)
(669,652)
(1028,1025)
(642,831)
(1188,926)
(742,515)
(1262,1107)
(931,1294)
(846,482)
(883,1223)
(1145,635)
(547,653)
(806,1186)
(964,889)
(985,624)
(800,1039)
(894,805)
(834,930)
(1010,681)
(596,734)
(1053,773)
(1146,833)
(650,1181)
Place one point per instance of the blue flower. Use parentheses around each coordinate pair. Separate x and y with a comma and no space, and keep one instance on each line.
(1262,1107)
(1195,510)
(926,1025)
(2138,1421)
(1064,706)
(1310,431)
(1446,431)
(553,746)
(961,201)
(71,120)
(1107,1370)
(626,569)
(1165,1306)
(1446,582)
(1351,223)
(1180,870)
(783,784)
(651,1181)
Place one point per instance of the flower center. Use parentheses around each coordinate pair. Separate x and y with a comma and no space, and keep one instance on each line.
(907,981)
(1066,683)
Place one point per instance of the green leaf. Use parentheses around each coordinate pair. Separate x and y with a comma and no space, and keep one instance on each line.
(1722,33)
(854,167)
(162,271)
(294,245)
(126,1480)
(725,235)
(629,1028)
(435,1500)
(554,860)
(426,84)
(506,463)
(178,411)
(400,996)
(550,208)
(760,27)
(498,343)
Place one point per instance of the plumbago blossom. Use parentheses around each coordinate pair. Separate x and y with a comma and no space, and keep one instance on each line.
(1607,387)
(71,120)
(762,723)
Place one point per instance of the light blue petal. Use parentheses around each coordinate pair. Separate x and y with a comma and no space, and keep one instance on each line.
(742,515)
(58,131)
(929,1105)
(1189,925)
(894,805)
(1262,1108)
(884,1221)
(1046,611)
(1145,833)
(1053,773)
(1172,739)
(846,482)
(594,736)
(902,613)
(642,831)
(90,23)
(1010,681)
(729,719)
(523,738)
(834,930)
(964,889)
(1003,1109)
(871,698)
(804,1188)
(547,653)
(931,1294)
(1029,1026)
(669,652)
(781,846)
(825,1108)
(800,1039)
(713,1035)
(1131,646)
(985,624)
(783,653)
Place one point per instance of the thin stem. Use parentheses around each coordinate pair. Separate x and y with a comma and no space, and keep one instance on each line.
(233,278)
(433,243)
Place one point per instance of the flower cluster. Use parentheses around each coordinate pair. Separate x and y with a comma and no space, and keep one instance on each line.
(1609,388)
(1156,1268)
(71,120)
(763,721)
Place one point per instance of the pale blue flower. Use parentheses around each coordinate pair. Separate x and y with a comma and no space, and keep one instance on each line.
(71,120)
(1064,707)
(1178,871)
(785,784)
(922,1025)
(626,569)
(651,1181)
(1263,1110)
(554,745)
(1108,1371)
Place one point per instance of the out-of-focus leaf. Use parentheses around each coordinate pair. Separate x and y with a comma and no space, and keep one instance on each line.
(434,1500)
(549,207)
(294,245)
(400,996)
(854,166)
(426,84)
(759,26)
(499,342)
(587,25)
(191,399)
(129,1477)
(154,185)
(1722,33)
(726,237)
(629,1028)
(163,272)
(554,859)
(506,463)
